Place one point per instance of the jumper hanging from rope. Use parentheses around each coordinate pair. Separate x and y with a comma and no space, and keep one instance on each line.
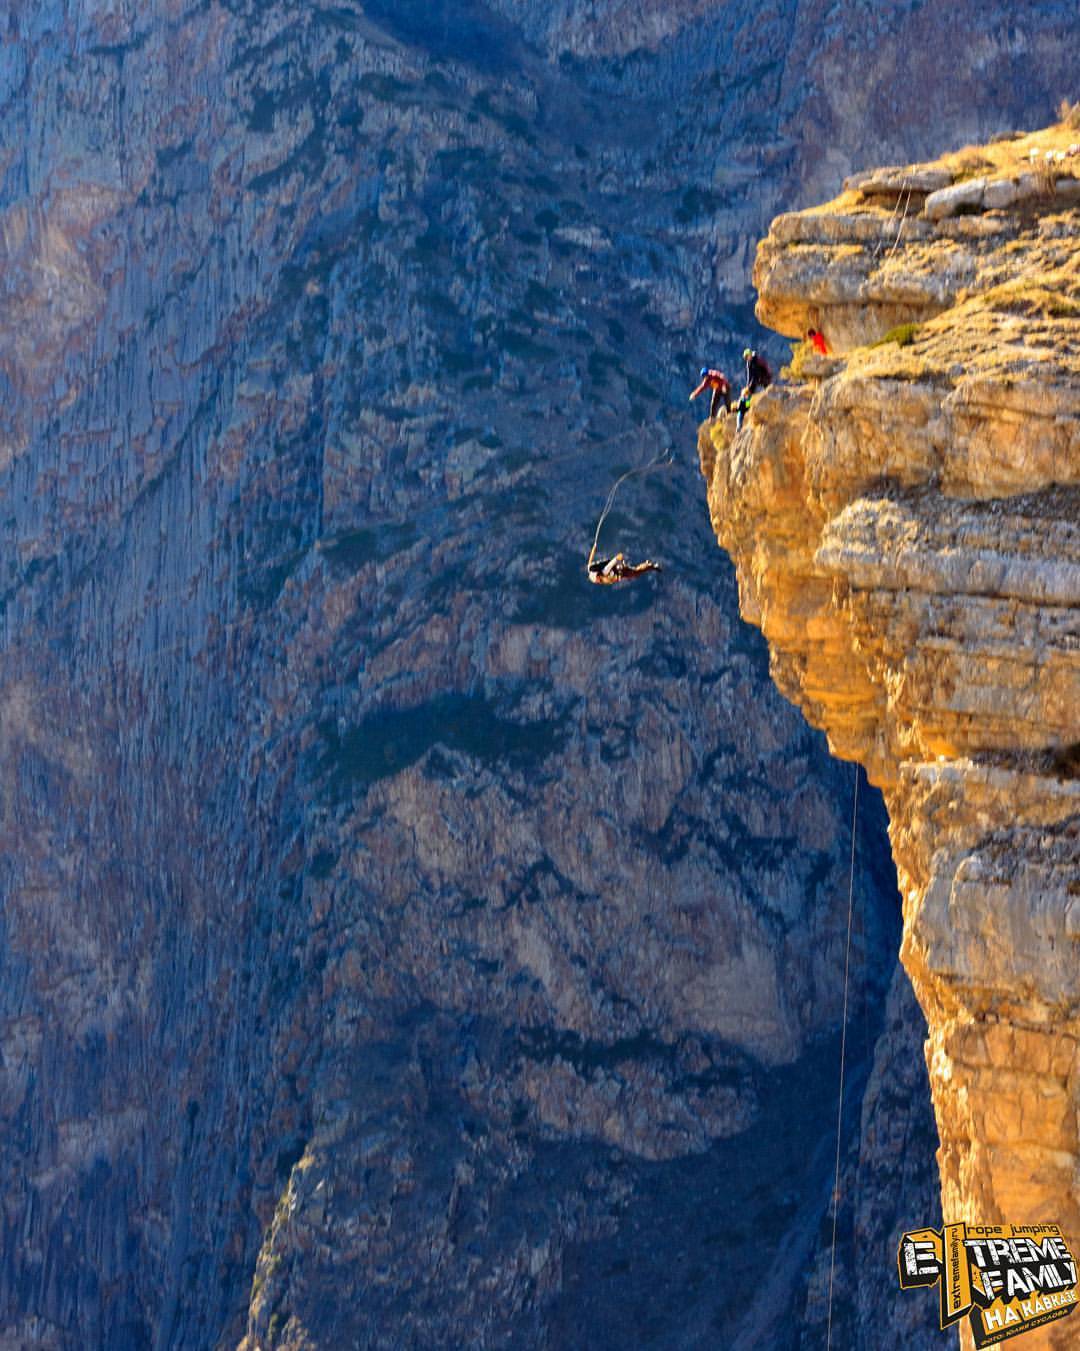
(608,571)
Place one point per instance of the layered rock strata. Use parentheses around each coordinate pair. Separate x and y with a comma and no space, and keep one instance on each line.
(904,517)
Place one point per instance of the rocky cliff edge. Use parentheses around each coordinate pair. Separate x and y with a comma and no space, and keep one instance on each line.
(904,517)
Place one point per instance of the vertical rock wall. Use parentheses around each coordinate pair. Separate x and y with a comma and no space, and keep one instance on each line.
(903,516)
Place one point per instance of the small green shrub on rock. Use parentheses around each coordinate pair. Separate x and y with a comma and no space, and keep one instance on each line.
(903,335)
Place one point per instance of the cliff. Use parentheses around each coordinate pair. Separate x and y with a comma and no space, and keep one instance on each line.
(904,518)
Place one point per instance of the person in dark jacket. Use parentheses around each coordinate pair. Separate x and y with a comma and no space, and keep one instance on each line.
(758,375)
(721,390)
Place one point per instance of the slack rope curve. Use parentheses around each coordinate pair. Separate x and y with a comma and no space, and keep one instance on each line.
(660,461)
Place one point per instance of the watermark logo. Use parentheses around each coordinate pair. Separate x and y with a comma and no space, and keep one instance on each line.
(1008,1278)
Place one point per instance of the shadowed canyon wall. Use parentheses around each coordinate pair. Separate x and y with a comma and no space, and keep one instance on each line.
(402,944)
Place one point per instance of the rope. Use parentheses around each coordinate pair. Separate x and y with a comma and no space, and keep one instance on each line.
(660,461)
(579,453)
(900,227)
(843,1049)
(322,543)
(886,229)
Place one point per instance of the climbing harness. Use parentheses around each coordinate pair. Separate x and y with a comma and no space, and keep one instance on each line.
(843,1049)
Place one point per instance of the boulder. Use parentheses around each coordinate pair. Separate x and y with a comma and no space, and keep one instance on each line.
(948,201)
(1001,194)
(892,182)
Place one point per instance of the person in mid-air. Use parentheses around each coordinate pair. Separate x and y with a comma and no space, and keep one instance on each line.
(758,375)
(815,336)
(607,571)
(721,390)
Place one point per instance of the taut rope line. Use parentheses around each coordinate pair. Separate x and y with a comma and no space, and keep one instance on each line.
(843,1048)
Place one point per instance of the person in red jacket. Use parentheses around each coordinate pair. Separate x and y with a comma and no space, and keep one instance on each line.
(721,390)
(818,339)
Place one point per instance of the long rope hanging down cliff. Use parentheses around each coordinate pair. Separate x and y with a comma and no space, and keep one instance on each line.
(843,1050)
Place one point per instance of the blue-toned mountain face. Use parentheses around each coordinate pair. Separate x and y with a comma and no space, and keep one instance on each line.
(404,943)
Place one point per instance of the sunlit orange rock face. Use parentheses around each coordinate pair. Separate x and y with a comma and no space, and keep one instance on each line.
(904,517)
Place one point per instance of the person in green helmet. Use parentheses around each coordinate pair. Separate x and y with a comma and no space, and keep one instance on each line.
(758,375)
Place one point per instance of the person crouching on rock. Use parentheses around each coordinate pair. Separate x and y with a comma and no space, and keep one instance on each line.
(817,338)
(721,390)
(607,571)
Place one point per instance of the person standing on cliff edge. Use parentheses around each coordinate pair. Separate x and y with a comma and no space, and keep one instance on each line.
(721,390)
(758,375)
